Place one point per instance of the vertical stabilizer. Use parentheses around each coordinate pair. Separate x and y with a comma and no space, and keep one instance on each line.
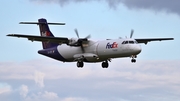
(45,31)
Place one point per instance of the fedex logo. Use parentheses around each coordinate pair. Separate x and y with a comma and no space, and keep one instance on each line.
(46,33)
(109,46)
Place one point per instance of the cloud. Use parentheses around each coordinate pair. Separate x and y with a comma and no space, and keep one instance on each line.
(39,78)
(121,81)
(74,99)
(24,90)
(49,95)
(23,72)
(42,96)
(5,88)
(160,5)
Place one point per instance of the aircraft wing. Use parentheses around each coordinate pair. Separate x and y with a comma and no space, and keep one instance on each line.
(59,40)
(145,41)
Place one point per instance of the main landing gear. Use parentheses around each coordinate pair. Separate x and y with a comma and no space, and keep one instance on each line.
(80,64)
(133,60)
(105,64)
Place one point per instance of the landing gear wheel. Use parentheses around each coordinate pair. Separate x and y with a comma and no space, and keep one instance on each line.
(133,60)
(105,64)
(80,64)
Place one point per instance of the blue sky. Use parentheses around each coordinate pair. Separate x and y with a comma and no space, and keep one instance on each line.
(25,75)
(95,18)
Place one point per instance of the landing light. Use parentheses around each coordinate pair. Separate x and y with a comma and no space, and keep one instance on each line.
(84,45)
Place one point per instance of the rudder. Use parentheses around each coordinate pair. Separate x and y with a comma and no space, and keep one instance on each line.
(45,31)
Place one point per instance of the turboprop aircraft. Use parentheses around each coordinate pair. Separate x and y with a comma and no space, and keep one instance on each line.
(82,50)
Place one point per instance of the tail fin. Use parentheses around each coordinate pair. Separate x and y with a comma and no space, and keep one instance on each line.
(45,31)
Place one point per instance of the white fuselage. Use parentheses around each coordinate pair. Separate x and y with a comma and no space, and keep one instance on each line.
(97,51)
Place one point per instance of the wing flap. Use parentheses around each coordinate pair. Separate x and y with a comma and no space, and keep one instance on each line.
(59,40)
(145,41)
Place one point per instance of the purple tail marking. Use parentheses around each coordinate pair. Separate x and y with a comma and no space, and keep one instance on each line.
(45,31)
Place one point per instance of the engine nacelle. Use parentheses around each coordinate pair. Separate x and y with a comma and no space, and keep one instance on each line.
(73,41)
(87,56)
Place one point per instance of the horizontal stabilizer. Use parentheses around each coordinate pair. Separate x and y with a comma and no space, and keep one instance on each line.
(42,23)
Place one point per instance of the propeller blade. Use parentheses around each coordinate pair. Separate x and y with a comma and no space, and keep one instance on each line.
(132,31)
(76,31)
(87,37)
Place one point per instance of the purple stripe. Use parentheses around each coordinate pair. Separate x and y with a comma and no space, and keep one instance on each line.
(52,53)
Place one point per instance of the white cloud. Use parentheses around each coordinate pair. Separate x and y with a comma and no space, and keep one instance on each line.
(74,99)
(24,90)
(42,96)
(39,78)
(5,88)
(66,82)
(15,70)
(49,95)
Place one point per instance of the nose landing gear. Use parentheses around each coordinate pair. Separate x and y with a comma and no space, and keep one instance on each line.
(133,60)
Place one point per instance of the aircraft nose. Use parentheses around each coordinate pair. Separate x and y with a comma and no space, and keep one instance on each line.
(137,49)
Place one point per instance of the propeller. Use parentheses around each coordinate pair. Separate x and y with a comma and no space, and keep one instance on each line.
(87,37)
(132,31)
(80,40)
(131,34)
(76,31)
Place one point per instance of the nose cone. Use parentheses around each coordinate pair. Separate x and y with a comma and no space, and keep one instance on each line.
(137,49)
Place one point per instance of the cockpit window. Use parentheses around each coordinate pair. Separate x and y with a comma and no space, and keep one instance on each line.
(131,42)
(136,42)
(123,42)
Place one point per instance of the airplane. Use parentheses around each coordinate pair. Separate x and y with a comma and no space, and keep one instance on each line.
(82,50)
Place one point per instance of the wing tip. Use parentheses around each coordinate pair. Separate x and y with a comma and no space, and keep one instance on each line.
(10,35)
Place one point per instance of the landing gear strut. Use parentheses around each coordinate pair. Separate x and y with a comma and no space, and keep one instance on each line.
(105,64)
(133,60)
(80,64)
